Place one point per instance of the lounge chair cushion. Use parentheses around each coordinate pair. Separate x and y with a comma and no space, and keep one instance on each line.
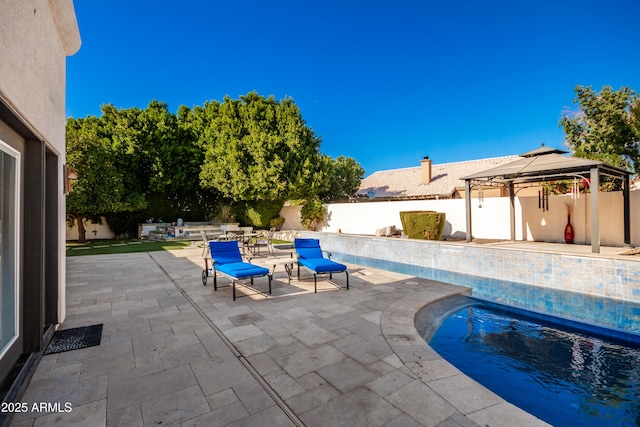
(309,253)
(241,270)
(308,248)
(322,265)
(227,260)
(225,252)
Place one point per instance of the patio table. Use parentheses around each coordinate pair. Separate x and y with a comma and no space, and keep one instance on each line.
(286,262)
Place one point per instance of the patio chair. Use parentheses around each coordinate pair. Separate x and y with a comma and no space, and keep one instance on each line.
(205,253)
(227,261)
(310,257)
(263,240)
(205,246)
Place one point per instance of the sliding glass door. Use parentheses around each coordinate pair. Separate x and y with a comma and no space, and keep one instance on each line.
(9,227)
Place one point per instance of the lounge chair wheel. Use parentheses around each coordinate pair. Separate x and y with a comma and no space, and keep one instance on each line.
(204,277)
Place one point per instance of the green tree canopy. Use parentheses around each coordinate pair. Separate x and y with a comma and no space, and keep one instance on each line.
(252,153)
(258,148)
(102,183)
(606,127)
(343,177)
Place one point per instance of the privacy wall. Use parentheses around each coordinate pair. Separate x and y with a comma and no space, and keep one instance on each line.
(490,217)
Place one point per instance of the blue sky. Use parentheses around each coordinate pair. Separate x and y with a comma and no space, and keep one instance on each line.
(384,82)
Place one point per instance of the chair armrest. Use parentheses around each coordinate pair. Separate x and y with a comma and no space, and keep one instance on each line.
(328,254)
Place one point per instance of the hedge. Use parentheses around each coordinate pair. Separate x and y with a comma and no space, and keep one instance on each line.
(426,225)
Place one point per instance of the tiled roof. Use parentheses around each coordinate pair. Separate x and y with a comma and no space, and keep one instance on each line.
(445,178)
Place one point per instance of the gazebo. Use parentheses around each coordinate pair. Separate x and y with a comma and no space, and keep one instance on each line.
(549,164)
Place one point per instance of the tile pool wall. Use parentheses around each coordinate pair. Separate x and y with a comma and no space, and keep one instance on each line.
(594,275)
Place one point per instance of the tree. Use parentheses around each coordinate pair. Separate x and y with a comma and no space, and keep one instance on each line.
(258,148)
(606,127)
(101,186)
(161,155)
(344,175)
(250,154)
(172,156)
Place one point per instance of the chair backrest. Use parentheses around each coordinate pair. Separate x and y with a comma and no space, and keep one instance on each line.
(308,248)
(265,235)
(205,247)
(225,252)
(237,236)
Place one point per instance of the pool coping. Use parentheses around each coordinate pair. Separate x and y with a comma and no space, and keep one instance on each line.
(472,399)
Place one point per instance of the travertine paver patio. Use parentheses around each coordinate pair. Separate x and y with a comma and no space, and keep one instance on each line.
(175,352)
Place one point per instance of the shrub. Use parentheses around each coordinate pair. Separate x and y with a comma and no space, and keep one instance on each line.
(259,214)
(277,223)
(312,214)
(223,213)
(426,225)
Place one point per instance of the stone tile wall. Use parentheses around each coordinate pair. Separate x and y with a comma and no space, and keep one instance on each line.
(594,275)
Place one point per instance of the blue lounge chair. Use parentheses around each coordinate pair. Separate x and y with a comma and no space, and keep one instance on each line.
(310,257)
(228,262)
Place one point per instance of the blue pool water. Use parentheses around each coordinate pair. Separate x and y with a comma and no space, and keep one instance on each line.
(560,375)
(568,358)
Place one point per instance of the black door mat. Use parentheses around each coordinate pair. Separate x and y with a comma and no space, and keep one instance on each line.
(74,339)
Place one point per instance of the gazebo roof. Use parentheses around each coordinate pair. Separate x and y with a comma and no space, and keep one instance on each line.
(543,150)
(544,164)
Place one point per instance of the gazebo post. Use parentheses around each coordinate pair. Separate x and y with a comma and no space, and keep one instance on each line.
(467,202)
(627,211)
(512,213)
(595,217)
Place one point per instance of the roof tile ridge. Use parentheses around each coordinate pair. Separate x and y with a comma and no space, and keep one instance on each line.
(478,160)
(397,169)
(407,168)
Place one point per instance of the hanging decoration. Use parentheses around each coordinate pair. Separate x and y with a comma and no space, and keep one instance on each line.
(575,190)
(543,199)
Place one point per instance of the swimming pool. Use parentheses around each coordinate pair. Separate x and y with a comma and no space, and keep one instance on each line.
(604,370)
(556,373)
(618,318)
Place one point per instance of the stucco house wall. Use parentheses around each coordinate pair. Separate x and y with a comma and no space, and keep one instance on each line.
(36,36)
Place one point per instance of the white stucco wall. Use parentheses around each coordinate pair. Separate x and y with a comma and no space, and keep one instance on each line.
(491,221)
(545,226)
(36,36)
(33,66)
(102,231)
(291,215)
(366,218)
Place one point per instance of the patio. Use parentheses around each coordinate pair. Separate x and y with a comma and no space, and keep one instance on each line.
(177,353)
